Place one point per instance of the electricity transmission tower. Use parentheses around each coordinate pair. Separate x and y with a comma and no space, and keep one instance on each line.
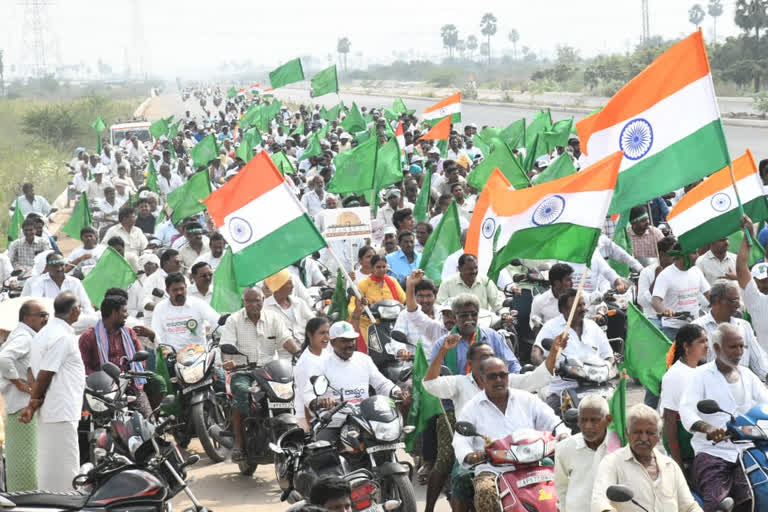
(646,24)
(138,43)
(37,34)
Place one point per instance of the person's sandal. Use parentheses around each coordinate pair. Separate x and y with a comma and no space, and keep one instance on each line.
(237,455)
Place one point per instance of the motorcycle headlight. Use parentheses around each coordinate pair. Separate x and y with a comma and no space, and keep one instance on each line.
(282,390)
(96,405)
(531,452)
(389,312)
(598,373)
(191,374)
(389,431)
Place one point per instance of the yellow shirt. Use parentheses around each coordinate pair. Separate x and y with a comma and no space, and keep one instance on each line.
(373,292)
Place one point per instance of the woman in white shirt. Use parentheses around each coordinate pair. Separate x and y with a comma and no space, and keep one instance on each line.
(688,350)
(311,362)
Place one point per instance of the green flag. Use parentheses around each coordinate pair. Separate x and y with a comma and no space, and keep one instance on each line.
(756,252)
(204,151)
(159,128)
(299,129)
(80,218)
(99,126)
(399,106)
(421,207)
(514,134)
(558,134)
(388,170)
(333,112)
(231,92)
(645,357)
(245,150)
(561,167)
(536,149)
(541,122)
(354,169)
(173,130)
(15,225)
(485,147)
(505,161)
(111,271)
(390,114)
(251,117)
(339,300)
(323,112)
(323,133)
(313,148)
(617,428)
(227,296)
(354,121)
(325,82)
(288,73)
(282,163)
(423,405)
(444,241)
(151,180)
(187,199)
(621,238)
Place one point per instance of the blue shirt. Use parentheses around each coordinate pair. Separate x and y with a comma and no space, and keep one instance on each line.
(489,336)
(399,266)
(659,210)
(762,237)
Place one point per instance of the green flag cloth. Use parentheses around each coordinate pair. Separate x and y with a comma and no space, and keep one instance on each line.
(388,170)
(151,180)
(339,300)
(187,199)
(399,106)
(621,238)
(323,133)
(325,82)
(161,370)
(617,428)
(390,115)
(15,225)
(313,148)
(558,134)
(204,151)
(282,163)
(99,125)
(288,73)
(423,405)
(159,128)
(231,92)
(299,129)
(248,141)
(482,144)
(111,271)
(514,134)
(505,161)
(323,112)
(536,149)
(561,167)
(354,169)
(354,121)
(362,136)
(173,130)
(333,112)
(251,117)
(227,296)
(80,218)
(645,357)
(421,206)
(490,132)
(541,122)
(444,241)
(756,252)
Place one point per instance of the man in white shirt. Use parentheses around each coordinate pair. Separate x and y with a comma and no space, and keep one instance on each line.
(58,394)
(212,257)
(294,311)
(577,458)
(100,182)
(55,281)
(544,305)
(16,381)
(600,277)
(201,276)
(754,286)
(166,181)
(314,198)
(154,286)
(392,197)
(134,238)
(105,209)
(196,243)
(420,297)
(585,338)
(81,180)
(724,298)
(28,202)
(136,151)
(647,279)
(717,262)
(717,472)
(495,413)
(180,320)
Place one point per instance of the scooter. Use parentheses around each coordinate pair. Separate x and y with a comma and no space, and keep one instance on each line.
(623,494)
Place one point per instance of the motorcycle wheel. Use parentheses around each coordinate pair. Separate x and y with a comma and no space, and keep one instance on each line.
(203,416)
(399,487)
(246,469)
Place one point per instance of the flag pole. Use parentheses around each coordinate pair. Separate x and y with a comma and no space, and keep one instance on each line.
(573,306)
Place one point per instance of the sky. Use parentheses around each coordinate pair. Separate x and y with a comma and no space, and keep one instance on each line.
(193,37)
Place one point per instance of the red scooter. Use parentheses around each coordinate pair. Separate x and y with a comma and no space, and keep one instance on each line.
(524,483)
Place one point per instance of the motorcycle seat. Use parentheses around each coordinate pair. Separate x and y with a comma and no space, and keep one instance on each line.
(70,500)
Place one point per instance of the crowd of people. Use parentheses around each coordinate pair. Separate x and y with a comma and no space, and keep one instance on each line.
(699,300)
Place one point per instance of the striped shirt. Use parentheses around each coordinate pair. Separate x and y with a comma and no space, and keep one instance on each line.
(259,341)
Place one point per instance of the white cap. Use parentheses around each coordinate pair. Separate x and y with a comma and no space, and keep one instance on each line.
(342,330)
(760,271)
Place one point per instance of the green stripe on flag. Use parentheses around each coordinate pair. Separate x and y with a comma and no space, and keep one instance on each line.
(261,259)
(723,225)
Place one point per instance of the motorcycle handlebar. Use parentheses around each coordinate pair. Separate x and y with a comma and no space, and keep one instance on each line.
(160,426)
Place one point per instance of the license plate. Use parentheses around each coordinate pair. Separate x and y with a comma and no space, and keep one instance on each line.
(279,405)
(206,382)
(385,447)
(535,479)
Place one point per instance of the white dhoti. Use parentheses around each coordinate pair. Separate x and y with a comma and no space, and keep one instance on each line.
(58,455)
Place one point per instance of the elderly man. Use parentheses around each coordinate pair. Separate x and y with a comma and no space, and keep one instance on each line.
(106,209)
(392,197)
(23,250)
(55,280)
(467,281)
(656,480)
(58,394)
(717,262)
(642,235)
(405,260)
(257,333)
(577,458)
(28,202)
(585,337)
(314,198)
(496,412)
(133,236)
(294,311)
(754,285)
(724,298)
(717,472)
(16,382)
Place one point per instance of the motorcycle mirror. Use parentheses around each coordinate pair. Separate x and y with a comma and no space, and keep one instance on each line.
(547,343)
(527,368)
(518,277)
(571,418)
(726,505)
(516,263)
(708,407)
(619,493)
(399,336)
(111,369)
(465,428)
(275,448)
(229,349)
(157,292)
(141,355)
(405,374)
(17,272)
(319,384)
(391,505)
(223,319)
(326,293)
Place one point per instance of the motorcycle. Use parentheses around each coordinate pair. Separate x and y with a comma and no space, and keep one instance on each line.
(271,410)
(146,479)
(623,494)
(201,406)
(532,282)
(527,479)
(380,346)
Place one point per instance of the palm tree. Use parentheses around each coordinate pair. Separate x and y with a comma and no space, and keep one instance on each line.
(472,45)
(696,14)
(514,37)
(488,29)
(715,9)
(752,14)
(461,46)
(450,35)
(343,47)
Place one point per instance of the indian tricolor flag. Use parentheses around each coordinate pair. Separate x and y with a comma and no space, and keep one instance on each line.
(450,106)
(263,221)
(400,136)
(710,211)
(560,219)
(666,122)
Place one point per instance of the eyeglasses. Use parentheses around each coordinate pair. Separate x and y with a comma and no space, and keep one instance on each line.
(733,300)
(42,314)
(494,376)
